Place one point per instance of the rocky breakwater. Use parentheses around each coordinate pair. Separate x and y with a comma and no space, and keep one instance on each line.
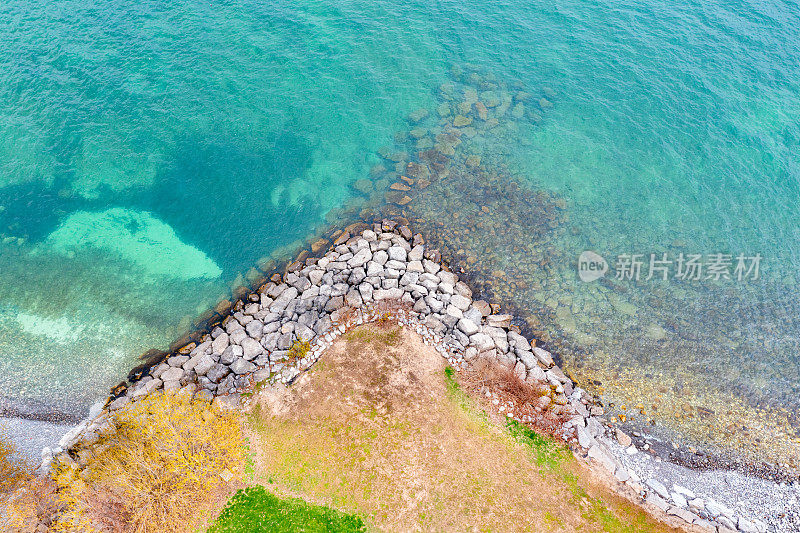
(382,271)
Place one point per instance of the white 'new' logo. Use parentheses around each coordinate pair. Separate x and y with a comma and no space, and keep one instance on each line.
(591,266)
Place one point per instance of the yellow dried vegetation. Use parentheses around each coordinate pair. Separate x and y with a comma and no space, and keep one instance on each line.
(22,496)
(167,458)
(13,469)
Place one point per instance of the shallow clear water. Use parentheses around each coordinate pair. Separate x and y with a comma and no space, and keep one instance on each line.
(150,154)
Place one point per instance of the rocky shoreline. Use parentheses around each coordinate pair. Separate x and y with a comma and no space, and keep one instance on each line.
(384,271)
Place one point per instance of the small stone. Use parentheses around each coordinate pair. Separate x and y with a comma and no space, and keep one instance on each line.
(415,266)
(172,385)
(230,354)
(203,364)
(658,487)
(397,253)
(173,374)
(683,514)
(388,294)
(251,349)
(473,161)
(416,253)
(380,257)
(622,475)
(518,341)
(468,327)
(228,402)
(481,110)
(746,526)
(535,374)
(119,403)
(623,438)
(217,372)
(684,491)
(254,328)
(315,276)
(497,321)
(353,298)
(543,402)
(520,371)
(178,360)
(600,455)
(584,438)
(717,509)
(220,343)
(481,341)
(241,366)
(262,374)
(543,356)
(360,258)
(204,395)
(460,302)
(679,500)
(657,501)
(696,505)
(483,307)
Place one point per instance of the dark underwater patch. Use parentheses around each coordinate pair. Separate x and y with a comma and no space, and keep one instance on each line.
(216,195)
(33,209)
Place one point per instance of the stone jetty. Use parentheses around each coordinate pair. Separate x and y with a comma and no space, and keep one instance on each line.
(382,272)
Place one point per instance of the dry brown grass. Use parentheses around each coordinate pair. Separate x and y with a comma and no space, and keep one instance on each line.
(376,429)
(485,374)
(519,396)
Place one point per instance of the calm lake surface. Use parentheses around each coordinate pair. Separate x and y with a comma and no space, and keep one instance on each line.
(152,153)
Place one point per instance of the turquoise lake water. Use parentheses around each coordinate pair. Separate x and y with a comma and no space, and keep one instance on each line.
(151,153)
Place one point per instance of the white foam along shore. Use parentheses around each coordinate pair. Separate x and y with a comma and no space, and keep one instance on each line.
(386,269)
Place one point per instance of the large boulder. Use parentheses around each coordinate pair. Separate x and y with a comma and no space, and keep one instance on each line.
(251,349)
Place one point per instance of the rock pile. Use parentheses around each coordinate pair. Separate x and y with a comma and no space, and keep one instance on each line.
(279,331)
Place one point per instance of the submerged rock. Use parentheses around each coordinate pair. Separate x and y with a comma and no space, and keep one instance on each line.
(418,115)
(460,121)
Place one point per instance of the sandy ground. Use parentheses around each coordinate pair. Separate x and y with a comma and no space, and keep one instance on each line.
(374,429)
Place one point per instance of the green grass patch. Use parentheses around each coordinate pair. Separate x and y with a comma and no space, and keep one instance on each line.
(553,456)
(463,401)
(256,510)
(454,391)
(548,453)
